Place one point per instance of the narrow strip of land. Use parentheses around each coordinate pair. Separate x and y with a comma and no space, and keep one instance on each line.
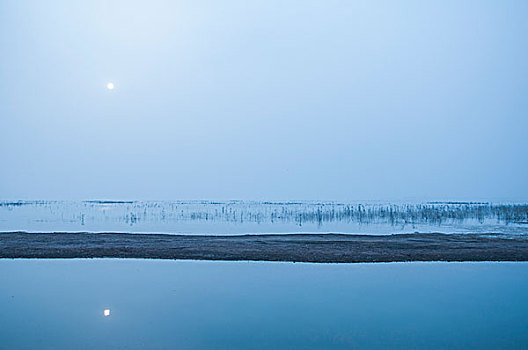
(322,248)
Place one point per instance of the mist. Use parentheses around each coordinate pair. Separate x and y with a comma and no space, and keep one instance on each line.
(326,100)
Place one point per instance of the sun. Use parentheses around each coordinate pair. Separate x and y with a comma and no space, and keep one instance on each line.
(110,86)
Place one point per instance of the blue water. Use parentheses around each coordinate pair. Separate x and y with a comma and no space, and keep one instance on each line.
(239,217)
(58,304)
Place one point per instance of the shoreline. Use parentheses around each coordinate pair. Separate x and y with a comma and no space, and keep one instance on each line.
(311,248)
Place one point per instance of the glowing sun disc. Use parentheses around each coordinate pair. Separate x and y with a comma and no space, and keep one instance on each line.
(110,86)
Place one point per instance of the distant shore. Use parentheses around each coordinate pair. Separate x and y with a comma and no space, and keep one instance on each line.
(317,248)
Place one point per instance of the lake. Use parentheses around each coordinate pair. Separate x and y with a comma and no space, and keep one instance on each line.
(60,304)
(240,217)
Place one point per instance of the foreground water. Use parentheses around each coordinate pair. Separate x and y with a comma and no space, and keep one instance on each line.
(59,304)
(237,217)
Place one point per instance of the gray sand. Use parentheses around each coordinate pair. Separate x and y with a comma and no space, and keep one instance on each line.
(324,248)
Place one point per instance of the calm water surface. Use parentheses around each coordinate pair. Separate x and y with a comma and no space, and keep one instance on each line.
(59,304)
(238,217)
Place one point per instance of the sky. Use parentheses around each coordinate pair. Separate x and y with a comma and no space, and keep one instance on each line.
(264,100)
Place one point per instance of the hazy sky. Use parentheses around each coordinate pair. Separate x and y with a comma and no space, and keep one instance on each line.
(263,99)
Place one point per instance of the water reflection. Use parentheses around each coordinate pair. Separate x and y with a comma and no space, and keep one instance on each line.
(241,305)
